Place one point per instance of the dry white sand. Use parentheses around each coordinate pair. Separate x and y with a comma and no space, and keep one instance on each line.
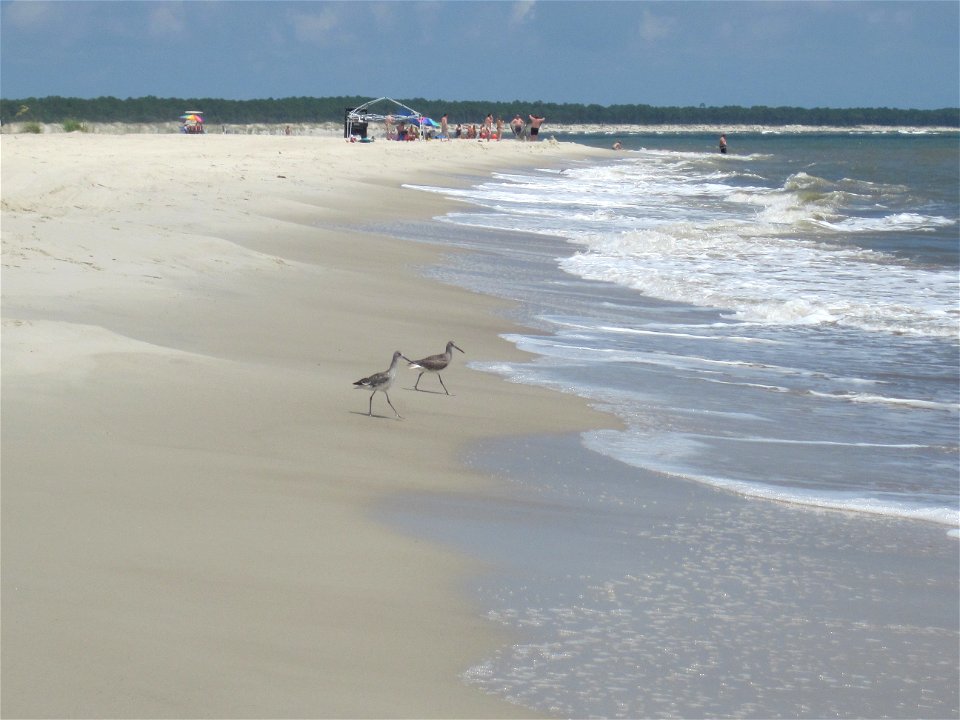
(187,470)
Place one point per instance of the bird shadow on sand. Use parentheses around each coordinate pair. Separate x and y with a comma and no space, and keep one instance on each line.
(429,392)
(375,415)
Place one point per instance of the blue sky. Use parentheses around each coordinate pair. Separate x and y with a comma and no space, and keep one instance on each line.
(807,54)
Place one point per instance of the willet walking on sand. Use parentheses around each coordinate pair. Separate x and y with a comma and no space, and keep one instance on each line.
(434,364)
(382,381)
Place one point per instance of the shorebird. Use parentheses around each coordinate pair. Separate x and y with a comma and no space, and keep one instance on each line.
(434,364)
(382,381)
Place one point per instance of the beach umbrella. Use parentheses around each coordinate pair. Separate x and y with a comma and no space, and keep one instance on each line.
(423,121)
(417,120)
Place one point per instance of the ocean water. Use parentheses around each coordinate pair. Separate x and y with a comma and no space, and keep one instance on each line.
(782,321)
(778,330)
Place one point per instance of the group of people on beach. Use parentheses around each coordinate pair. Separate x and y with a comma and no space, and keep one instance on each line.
(520,130)
(489,129)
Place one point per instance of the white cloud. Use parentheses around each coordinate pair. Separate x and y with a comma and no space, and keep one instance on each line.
(166,20)
(522,12)
(315,27)
(896,16)
(27,14)
(384,14)
(653,28)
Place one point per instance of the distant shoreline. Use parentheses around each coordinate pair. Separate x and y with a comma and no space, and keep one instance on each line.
(597,129)
(334,129)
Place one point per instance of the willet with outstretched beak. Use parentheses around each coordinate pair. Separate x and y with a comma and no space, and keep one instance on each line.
(434,364)
(381,381)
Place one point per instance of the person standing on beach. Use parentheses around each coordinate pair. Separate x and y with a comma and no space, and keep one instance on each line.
(517,125)
(443,127)
(723,144)
(535,122)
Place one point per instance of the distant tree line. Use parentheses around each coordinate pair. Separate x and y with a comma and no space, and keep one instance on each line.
(149,109)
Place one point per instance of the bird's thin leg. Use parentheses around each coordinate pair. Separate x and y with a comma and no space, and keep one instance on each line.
(370,411)
(391,404)
(444,386)
(418,381)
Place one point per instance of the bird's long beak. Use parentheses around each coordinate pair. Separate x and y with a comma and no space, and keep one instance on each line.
(459,349)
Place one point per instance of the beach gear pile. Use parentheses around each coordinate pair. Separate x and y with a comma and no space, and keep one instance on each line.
(191,122)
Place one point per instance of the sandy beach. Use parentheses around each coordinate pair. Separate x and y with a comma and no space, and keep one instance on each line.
(188,471)
(200,519)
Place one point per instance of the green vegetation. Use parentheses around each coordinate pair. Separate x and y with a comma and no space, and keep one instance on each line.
(331,109)
(71,125)
(32,127)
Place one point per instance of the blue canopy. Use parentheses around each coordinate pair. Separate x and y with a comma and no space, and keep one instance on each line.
(416,120)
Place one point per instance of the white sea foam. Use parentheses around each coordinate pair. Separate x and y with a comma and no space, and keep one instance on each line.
(848,502)
(669,228)
(610,443)
(566,347)
(560,322)
(777,281)
(888,223)
(825,336)
(825,443)
(882,400)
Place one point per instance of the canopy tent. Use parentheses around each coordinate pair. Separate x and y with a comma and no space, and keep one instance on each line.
(356,119)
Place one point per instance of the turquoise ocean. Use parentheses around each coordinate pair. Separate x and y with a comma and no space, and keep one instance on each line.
(780,323)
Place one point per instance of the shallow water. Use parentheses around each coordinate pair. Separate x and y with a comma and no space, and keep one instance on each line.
(635,595)
(782,323)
